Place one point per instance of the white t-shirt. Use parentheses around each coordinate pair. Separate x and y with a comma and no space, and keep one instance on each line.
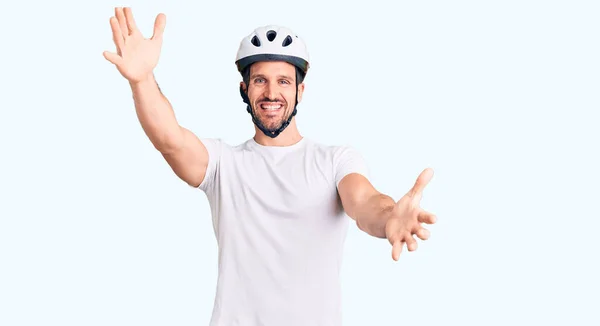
(280,229)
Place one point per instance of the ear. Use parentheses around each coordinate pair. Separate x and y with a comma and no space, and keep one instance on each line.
(243,86)
(300,92)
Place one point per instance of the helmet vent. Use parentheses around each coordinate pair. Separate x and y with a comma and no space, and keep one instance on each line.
(255,41)
(287,41)
(271,35)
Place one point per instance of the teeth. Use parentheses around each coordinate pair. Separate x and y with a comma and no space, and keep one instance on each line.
(271,107)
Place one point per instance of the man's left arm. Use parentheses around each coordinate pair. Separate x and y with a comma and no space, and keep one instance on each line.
(378,214)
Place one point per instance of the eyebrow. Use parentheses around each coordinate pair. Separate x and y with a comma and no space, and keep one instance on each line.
(263,76)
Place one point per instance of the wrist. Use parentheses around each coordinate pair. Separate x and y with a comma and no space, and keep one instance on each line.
(374,223)
(143,82)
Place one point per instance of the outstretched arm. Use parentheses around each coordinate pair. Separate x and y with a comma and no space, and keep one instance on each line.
(380,216)
(184,152)
(135,58)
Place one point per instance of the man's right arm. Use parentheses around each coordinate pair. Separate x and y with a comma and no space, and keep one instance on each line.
(183,151)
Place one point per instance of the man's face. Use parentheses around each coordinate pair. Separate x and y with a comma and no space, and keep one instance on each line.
(272,92)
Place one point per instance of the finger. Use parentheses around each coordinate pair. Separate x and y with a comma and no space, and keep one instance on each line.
(159,26)
(117,34)
(411,243)
(122,21)
(426,217)
(422,181)
(397,250)
(423,233)
(131,26)
(112,57)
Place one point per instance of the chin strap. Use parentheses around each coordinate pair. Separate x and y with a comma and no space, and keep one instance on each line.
(260,126)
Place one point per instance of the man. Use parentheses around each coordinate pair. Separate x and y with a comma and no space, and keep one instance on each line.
(279,201)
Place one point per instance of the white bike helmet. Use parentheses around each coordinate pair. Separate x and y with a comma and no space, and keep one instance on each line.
(272,43)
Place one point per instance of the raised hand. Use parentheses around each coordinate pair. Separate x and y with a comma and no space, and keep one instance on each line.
(407,217)
(136,56)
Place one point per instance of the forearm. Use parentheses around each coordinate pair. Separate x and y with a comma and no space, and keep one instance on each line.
(371,217)
(156,116)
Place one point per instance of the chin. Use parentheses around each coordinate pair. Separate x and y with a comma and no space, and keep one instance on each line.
(272,121)
(271,126)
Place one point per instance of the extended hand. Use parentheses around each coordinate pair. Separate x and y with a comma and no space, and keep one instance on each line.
(136,56)
(407,217)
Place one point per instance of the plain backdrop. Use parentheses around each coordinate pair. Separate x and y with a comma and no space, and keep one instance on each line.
(500,98)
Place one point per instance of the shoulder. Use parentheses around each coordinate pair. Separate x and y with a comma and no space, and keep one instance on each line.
(337,152)
(220,151)
(332,149)
(220,155)
(344,159)
(220,146)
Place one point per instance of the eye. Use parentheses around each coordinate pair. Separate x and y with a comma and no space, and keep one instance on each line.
(285,82)
(259,80)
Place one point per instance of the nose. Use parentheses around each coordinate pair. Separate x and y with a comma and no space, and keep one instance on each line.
(271,92)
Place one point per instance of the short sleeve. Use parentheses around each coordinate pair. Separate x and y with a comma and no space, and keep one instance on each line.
(347,160)
(214,147)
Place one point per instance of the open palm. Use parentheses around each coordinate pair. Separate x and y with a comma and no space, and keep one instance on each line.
(407,217)
(136,56)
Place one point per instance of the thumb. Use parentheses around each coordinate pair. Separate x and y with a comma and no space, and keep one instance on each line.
(422,181)
(112,57)
(159,26)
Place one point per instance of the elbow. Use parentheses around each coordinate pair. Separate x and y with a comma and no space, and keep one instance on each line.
(169,141)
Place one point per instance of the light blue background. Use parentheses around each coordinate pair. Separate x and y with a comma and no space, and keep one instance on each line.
(500,98)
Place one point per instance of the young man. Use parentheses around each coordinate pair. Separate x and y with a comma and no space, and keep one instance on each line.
(279,201)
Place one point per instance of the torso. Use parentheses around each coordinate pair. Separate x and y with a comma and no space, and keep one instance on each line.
(280,228)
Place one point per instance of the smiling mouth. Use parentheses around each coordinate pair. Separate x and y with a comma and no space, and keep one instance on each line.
(271,106)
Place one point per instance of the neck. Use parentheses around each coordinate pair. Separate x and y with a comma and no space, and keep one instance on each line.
(288,137)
